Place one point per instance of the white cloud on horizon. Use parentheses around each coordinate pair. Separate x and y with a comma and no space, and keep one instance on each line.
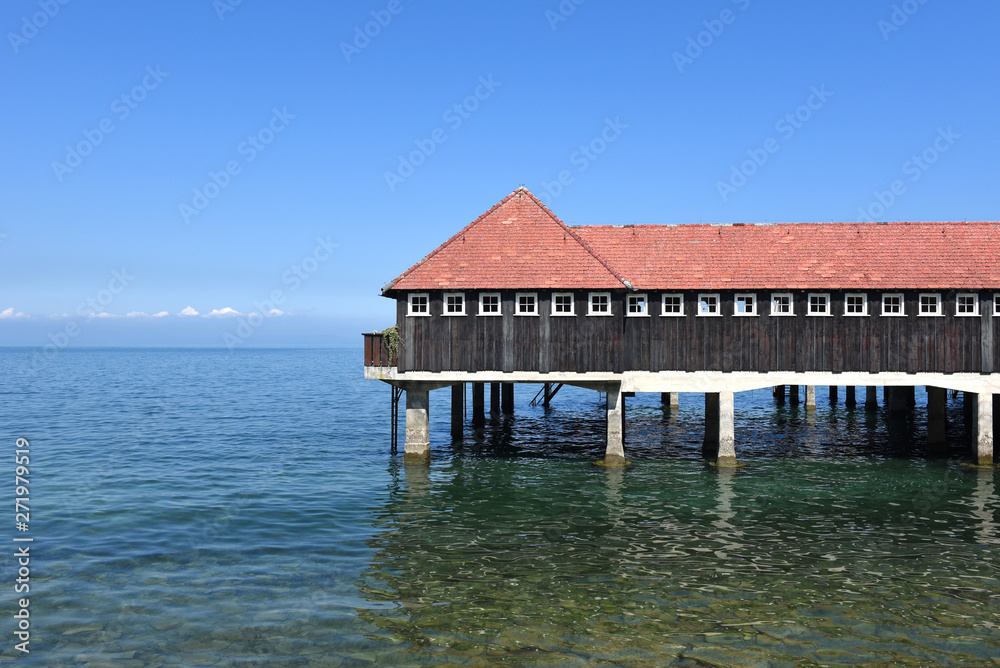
(136,314)
(275,312)
(8,313)
(223,313)
(188,312)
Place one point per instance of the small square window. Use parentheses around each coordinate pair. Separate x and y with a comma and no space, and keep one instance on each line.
(892,304)
(600,303)
(708,305)
(930,304)
(454,303)
(819,304)
(419,304)
(782,304)
(996,305)
(746,305)
(637,306)
(856,304)
(673,305)
(527,303)
(967,305)
(562,303)
(489,303)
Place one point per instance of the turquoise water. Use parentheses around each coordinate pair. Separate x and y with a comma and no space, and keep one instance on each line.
(194,507)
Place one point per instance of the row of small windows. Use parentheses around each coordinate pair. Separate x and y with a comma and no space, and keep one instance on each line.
(782,304)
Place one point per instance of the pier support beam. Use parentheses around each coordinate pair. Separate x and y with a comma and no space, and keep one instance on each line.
(457,410)
(793,395)
(508,398)
(895,400)
(671,399)
(478,405)
(850,400)
(494,400)
(982,428)
(937,398)
(833,394)
(810,396)
(720,441)
(418,433)
(871,398)
(615,452)
(779,393)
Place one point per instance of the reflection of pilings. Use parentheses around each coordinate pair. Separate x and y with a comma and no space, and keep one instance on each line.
(729,535)
(983,498)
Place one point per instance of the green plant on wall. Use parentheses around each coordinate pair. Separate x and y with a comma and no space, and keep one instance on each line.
(391,338)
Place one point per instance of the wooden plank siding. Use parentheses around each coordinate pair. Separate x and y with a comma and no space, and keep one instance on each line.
(582,343)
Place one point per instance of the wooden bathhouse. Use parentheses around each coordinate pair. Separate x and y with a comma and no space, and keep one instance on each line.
(517,296)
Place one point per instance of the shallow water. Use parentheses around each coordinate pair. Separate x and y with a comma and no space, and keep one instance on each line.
(195,507)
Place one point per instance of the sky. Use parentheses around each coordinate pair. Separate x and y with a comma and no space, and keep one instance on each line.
(240,173)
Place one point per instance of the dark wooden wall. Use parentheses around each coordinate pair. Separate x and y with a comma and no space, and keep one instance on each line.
(616,343)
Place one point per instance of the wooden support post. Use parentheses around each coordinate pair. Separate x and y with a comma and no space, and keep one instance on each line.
(546,390)
(850,400)
(615,451)
(810,396)
(508,398)
(982,434)
(457,410)
(779,393)
(478,405)
(671,399)
(895,400)
(720,442)
(793,395)
(494,400)
(967,410)
(937,398)
(911,396)
(871,398)
(833,394)
(418,440)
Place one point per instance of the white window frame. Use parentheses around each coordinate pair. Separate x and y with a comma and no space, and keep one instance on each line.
(975,305)
(902,305)
(491,314)
(753,307)
(663,305)
(827,311)
(409,305)
(644,313)
(864,305)
(572,305)
(590,304)
(791,304)
(996,305)
(444,304)
(938,311)
(718,304)
(534,304)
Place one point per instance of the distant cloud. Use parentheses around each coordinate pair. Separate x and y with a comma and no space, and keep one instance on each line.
(223,313)
(105,314)
(136,314)
(275,312)
(9,314)
(161,314)
(188,311)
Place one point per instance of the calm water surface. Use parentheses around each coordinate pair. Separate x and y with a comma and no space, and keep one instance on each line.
(195,507)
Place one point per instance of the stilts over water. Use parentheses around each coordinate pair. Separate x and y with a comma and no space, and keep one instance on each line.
(517,296)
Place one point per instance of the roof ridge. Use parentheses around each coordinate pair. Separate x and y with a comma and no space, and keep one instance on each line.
(577,237)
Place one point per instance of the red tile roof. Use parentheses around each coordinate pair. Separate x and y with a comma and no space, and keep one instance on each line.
(520,244)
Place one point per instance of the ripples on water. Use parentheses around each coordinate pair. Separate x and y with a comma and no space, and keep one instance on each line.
(208,508)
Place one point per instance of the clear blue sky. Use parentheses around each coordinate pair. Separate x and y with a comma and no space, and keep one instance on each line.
(116,112)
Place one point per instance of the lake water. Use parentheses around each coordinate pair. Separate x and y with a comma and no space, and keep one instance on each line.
(207,508)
